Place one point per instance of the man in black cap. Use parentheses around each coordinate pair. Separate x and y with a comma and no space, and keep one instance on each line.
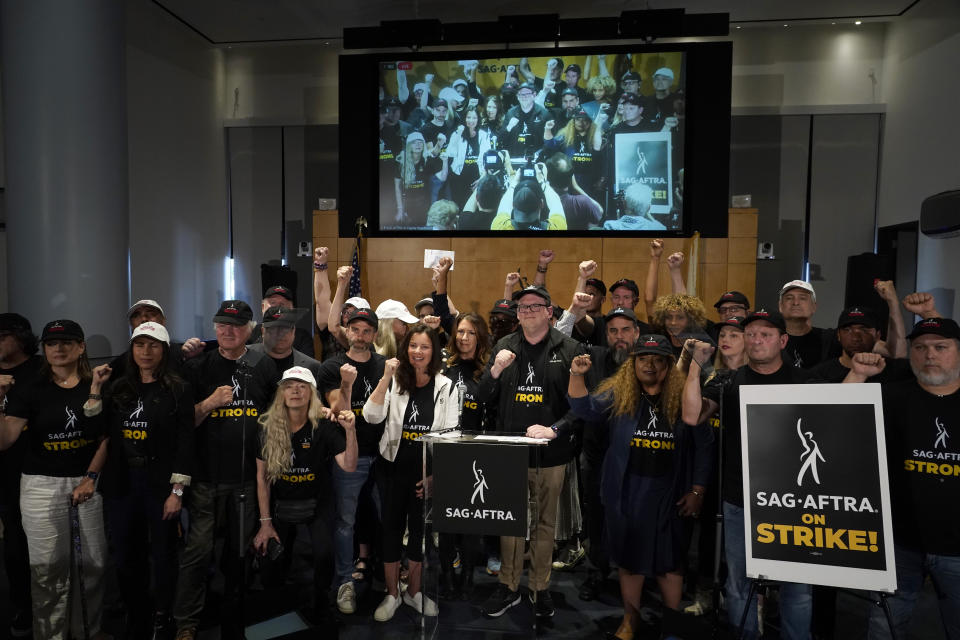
(393,136)
(920,417)
(19,365)
(526,380)
(633,119)
(281,296)
(235,385)
(279,325)
(590,328)
(571,80)
(732,304)
(630,82)
(503,319)
(522,132)
(530,203)
(626,294)
(346,381)
(569,106)
(765,337)
(858,331)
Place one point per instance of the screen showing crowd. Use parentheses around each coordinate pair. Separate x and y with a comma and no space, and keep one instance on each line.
(587,142)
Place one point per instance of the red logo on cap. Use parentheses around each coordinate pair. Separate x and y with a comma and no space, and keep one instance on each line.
(651,343)
(761,313)
(56,327)
(727,295)
(362,312)
(855,312)
(932,322)
(230,310)
(503,305)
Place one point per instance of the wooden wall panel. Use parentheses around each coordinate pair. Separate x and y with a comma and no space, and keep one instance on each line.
(393,267)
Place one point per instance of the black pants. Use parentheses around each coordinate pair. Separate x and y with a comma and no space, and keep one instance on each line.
(320,528)
(594,517)
(140,534)
(402,509)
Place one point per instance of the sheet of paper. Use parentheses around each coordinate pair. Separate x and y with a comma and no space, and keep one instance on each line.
(432,256)
(517,439)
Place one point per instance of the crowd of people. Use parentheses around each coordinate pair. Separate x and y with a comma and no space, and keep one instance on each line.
(175,446)
(532,153)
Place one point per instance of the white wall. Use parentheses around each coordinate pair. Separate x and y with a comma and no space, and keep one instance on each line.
(178,211)
(921,135)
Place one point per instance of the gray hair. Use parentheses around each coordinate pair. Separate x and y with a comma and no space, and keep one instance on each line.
(638,198)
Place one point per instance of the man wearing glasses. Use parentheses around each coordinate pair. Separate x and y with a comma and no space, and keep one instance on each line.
(522,133)
(732,304)
(527,379)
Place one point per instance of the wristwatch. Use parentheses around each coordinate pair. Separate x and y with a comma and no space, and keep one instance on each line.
(177,491)
(93,475)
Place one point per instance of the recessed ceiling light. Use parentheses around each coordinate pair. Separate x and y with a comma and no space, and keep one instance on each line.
(858,22)
(738,26)
(833,23)
(786,25)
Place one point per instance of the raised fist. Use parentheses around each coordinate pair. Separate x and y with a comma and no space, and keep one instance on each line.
(675,260)
(581,364)
(920,303)
(514,121)
(656,248)
(444,263)
(460,130)
(581,300)
(432,321)
(588,268)
(504,358)
(344,274)
(348,373)
(390,367)
(546,257)
(347,419)
(320,255)
(512,279)
(867,364)
(549,125)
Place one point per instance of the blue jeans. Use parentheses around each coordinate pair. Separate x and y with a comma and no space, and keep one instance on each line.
(348,486)
(912,567)
(796,601)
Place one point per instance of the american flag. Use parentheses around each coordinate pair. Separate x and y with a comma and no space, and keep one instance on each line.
(355,290)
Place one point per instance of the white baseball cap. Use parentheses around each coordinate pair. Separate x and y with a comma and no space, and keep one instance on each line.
(144,303)
(798,284)
(299,373)
(396,309)
(358,302)
(153,330)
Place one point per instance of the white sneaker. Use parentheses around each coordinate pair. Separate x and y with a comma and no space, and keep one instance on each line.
(421,603)
(346,598)
(386,609)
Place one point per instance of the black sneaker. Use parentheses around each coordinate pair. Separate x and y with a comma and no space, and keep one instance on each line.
(543,607)
(499,601)
(591,587)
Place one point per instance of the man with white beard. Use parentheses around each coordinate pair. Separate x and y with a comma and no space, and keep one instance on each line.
(921,417)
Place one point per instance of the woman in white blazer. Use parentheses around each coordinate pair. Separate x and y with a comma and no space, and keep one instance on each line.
(414,398)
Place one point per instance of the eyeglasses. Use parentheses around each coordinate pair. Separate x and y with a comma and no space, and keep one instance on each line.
(733,308)
(530,308)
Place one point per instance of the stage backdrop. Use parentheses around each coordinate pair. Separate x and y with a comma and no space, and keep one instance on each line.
(816,494)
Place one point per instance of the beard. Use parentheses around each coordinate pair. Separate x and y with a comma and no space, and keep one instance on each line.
(936,379)
(621,355)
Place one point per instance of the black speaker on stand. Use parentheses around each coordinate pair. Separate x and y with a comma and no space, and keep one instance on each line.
(863,271)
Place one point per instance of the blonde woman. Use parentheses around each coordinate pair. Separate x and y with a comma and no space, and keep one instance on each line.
(299,439)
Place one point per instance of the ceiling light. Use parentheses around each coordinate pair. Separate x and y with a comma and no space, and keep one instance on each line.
(858,22)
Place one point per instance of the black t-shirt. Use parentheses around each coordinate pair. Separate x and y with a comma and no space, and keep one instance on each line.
(231,429)
(471,417)
(527,135)
(652,445)
(833,370)
(313,451)
(923,458)
(11,460)
(598,337)
(61,440)
(530,405)
(418,418)
(135,423)
(812,348)
(732,461)
(432,129)
(282,364)
(368,375)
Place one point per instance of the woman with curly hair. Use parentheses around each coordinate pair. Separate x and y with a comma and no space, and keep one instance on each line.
(299,439)
(677,314)
(415,401)
(655,471)
(602,88)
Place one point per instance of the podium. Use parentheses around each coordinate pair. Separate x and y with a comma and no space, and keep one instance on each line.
(479,488)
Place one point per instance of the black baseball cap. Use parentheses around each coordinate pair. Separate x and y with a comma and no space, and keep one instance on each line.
(62,330)
(732,296)
(573,67)
(631,98)
(569,91)
(527,199)
(654,344)
(527,85)
(423,302)
(506,307)
(858,315)
(279,290)
(367,315)
(233,312)
(622,312)
(582,113)
(628,283)
(535,289)
(14,323)
(277,316)
(598,284)
(938,326)
(630,75)
(734,321)
(773,317)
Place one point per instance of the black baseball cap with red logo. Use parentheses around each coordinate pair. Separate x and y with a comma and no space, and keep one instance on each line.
(62,330)
(367,315)
(858,315)
(773,317)
(233,312)
(506,307)
(653,344)
(732,296)
(938,326)
(279,290)
(281,317)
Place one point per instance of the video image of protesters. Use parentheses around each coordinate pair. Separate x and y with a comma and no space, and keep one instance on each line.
(588,142)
